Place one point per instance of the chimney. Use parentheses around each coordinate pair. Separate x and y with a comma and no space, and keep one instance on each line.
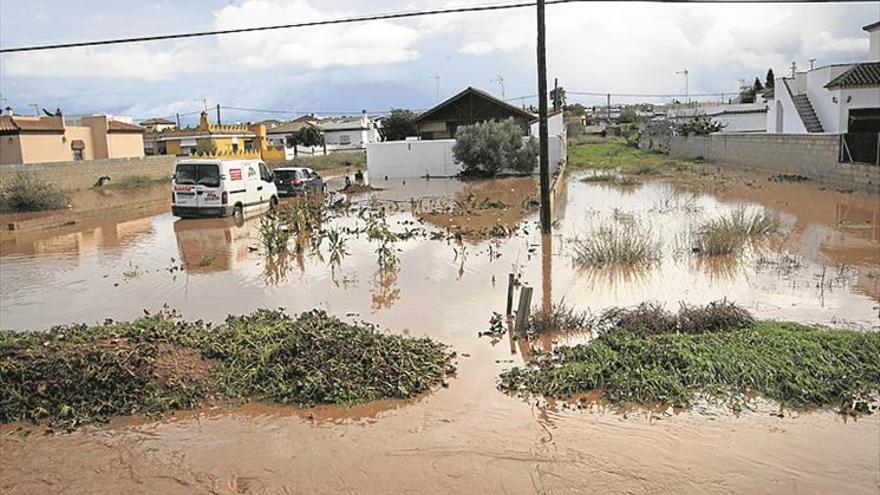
(874,45)
(7,111)
(364,119)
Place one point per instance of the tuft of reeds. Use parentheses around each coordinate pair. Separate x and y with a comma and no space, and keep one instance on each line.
(796,365)
(729,233)
(651,318)
(622,243)
(78,374)
(559,318)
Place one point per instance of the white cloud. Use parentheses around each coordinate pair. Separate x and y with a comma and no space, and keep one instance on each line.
(371,43)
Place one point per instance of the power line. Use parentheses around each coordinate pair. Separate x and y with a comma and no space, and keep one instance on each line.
(303,111)
(366,18)
(628,95)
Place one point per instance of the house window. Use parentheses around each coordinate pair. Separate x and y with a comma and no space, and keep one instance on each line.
(235,147)
(77,155)
(77,146)
(344,139)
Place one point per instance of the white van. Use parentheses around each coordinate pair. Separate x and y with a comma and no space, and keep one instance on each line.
(220,188)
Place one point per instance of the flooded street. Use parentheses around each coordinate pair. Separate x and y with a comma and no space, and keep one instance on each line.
(468,437)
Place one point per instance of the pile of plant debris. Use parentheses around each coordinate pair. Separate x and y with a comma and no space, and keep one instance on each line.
(73,375)
(648,356)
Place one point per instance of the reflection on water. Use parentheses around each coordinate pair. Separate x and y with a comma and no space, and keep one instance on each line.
(223,268)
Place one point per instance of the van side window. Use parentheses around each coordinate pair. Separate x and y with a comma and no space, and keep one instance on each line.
(264,173)
(252,172)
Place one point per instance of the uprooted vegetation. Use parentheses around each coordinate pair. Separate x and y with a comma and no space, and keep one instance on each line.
(73,375)
(648,356)
(728,234)
(24,192)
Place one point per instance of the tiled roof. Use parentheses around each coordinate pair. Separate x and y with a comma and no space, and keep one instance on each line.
(157,121)
(483,94)
(289,127)
(865,75)
(14,124)
(117,126)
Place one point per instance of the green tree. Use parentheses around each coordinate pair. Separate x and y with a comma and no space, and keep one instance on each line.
(557,96)
(400,125)
(770,81)
(486,149)
(575,109)
(308,136)
(628,115)
(757,85)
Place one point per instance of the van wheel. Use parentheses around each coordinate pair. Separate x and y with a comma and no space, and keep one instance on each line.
(238,211)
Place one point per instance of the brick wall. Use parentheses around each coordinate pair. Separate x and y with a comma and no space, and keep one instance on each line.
(84,174)
(811,155)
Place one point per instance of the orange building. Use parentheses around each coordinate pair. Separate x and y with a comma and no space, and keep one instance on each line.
(51,139)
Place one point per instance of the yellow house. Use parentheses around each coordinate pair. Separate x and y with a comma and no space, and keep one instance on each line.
(51,139)
(216,140)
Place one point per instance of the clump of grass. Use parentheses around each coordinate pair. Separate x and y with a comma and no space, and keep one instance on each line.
(559,317)
(599,178)
(24,192)
(651,318)
(795,365)
(619,244)
(73,375)
(641,169)
(729,233)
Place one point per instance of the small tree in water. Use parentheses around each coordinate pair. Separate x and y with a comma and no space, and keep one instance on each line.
(486,149)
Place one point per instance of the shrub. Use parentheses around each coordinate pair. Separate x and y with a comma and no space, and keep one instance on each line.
(700,125)
(729,233)
(489,148)
(25,192)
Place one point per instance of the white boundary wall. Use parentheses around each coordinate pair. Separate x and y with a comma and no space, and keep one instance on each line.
(402,159)
(412,159)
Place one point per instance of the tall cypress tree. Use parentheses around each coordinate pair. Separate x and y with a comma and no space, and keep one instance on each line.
(771,79)
(758,86)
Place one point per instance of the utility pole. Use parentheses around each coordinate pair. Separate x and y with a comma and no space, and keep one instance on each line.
(500,81)
(218,114)
(555,94)
(544,158)
(608,107)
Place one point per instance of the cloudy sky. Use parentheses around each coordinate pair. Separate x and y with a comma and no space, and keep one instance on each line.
(592,47)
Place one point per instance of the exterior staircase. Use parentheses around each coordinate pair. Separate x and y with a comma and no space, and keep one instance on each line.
(808,115)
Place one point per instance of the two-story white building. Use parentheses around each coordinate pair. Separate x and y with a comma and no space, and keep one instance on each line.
(350,134)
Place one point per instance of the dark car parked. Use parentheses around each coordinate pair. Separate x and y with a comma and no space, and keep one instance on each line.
(291,181)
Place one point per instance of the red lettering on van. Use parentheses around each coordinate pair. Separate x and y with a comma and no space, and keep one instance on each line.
(234,174)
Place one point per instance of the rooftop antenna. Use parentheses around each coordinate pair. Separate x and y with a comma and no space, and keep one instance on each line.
(812,63)
(500,81)
(686,84)
(793,68)
(204,104)
(36,108)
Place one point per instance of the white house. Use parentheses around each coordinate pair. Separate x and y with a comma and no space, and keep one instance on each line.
(350,134)
(827,99)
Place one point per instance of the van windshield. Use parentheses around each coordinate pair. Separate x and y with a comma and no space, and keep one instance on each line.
(205,174)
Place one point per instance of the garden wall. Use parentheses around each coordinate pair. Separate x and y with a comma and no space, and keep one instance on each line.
(84,174)
(811,155)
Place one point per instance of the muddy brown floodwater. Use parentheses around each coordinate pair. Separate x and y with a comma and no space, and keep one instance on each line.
(468,437)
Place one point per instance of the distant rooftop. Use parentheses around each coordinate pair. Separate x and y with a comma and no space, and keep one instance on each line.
(864,75)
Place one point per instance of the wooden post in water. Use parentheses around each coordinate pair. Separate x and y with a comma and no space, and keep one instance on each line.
(510,279)
(522,312)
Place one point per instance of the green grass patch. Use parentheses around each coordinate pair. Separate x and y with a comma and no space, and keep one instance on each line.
(73,375)
(796,365)
(24,192)
(613,153)
(330,161)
